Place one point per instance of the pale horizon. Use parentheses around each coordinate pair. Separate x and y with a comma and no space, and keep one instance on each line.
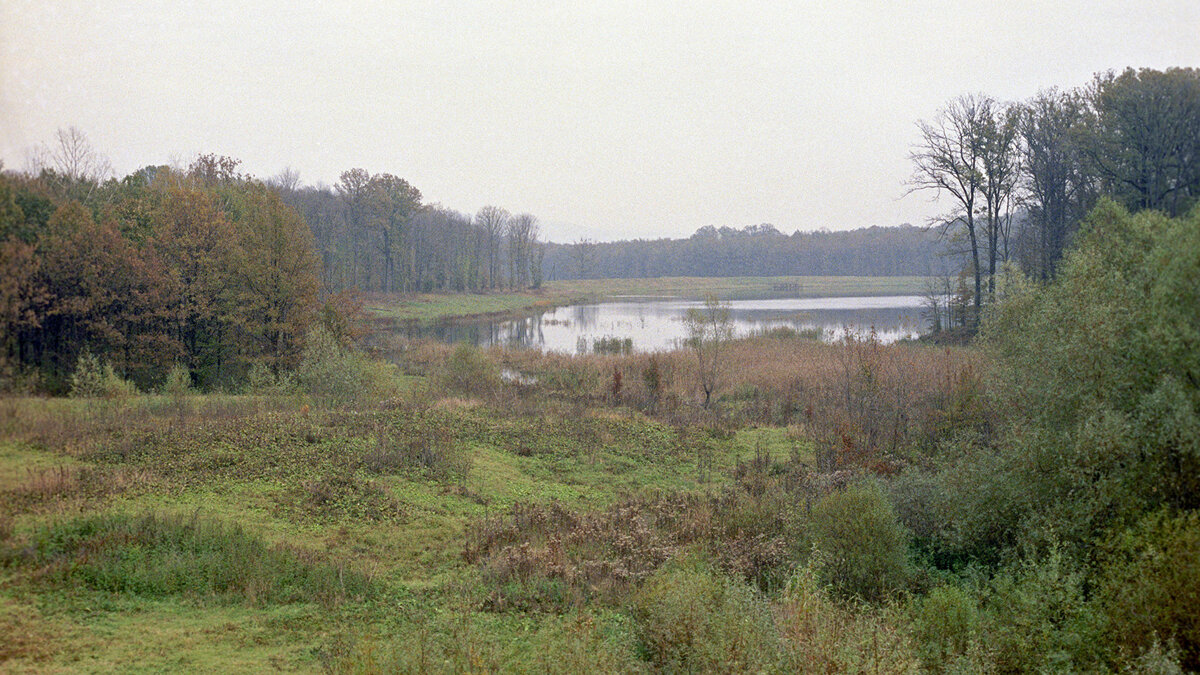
(610,121)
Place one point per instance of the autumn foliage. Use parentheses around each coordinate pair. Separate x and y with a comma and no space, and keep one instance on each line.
(204,268)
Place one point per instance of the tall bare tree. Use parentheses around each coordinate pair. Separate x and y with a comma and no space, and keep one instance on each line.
(948,160)
(1000,162)
(74,157)
(522,233)
(494,221)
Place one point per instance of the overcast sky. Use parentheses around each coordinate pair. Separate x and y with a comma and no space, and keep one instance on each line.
(608,120)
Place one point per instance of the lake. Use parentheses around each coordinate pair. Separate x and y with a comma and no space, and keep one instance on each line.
(654,323)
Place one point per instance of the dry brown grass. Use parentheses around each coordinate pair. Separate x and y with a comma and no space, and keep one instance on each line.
(862,404)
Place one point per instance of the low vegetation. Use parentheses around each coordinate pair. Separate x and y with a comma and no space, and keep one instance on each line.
(1026,503)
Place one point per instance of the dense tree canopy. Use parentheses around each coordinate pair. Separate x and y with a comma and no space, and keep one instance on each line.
(203,268)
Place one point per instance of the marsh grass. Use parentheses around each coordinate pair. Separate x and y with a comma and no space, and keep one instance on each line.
(567,506)
(154,556)
(862,404)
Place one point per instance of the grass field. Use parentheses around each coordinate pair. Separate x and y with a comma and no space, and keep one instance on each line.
(430,307)
(459,525)
(308,491)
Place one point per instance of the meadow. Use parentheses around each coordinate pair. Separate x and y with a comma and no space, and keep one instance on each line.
(1026,503)
(459,523)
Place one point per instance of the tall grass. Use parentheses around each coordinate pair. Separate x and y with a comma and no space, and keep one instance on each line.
(863,404)
(156,556)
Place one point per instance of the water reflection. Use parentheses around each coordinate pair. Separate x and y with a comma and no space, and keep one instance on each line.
(655,324)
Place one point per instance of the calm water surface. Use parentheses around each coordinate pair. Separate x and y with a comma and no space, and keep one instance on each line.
(656,323)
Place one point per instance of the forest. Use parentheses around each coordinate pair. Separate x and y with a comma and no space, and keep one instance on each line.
(754,250)
(202,467)
(217,272)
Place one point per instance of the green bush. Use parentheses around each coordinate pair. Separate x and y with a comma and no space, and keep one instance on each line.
(431,454)
(261,380)
(347,496)
(946,625)
(579,643)
(690,619)
(1149,586)
(864,545)
(1037,619)
(1098,373)
(93,380)
(179,382)
(469,371)
(822,635)
(336,375)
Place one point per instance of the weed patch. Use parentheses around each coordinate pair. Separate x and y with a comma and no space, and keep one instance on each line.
(155,556)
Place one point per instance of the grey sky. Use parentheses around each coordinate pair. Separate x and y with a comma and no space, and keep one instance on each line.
(610,119)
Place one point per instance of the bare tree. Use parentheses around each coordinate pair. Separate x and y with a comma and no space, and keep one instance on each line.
(948,160)
(37,158)
(1000,163)
(287,180)
(709,331)
(522,233)
(75,159)
(584,252)
(494,221)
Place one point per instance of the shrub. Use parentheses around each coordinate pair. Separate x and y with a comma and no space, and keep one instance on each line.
(689,619)
(578,643)
(433,455)
(1037,618)
(864,544)
(260,379)
(1149,586)
(1098,369)
(93,380)
(652,378)
(88,379)
(336,375)
(344,495)
(179,382)
(819,635)
(946,624)
(469,371)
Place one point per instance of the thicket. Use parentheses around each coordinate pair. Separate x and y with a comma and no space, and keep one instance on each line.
(1096,466)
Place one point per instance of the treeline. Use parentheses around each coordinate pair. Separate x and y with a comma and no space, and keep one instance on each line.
(211,270)
(373,234)
(201,268)
(1021,176)
(756,250)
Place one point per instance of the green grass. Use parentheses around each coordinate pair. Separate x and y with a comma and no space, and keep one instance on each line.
(431,307)
(209,555)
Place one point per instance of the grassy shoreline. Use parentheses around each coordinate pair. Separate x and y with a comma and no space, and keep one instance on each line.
(434,307)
